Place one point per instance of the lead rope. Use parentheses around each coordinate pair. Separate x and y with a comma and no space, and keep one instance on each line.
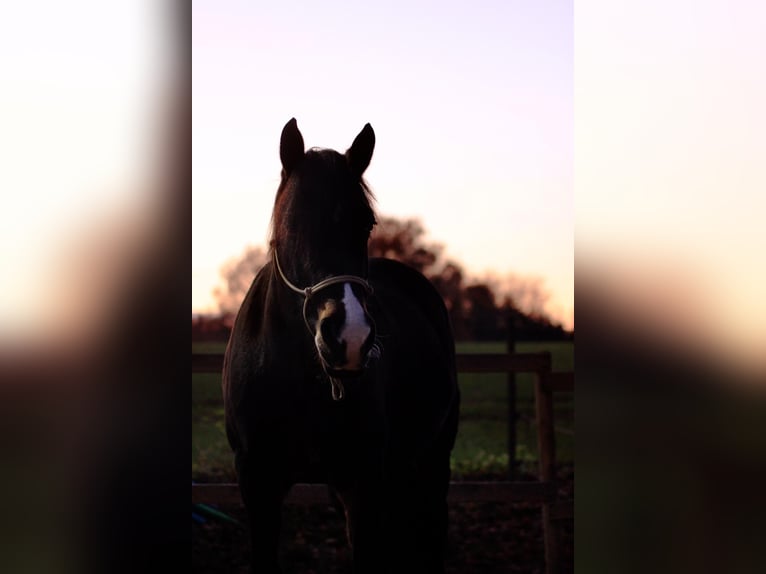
(338,391)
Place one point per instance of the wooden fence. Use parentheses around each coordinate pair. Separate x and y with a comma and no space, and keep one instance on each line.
(544,491)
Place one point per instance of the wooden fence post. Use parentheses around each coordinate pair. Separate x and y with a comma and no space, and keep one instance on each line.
(546,447)
(512,412)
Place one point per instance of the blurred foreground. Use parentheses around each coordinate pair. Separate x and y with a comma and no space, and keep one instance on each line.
(95,289)
(671,447)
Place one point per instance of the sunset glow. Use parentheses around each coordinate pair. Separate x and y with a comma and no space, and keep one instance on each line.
(471,105)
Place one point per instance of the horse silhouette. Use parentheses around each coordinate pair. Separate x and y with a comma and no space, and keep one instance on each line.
(340,369)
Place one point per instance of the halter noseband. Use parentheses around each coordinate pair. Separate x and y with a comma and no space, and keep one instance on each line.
(309,292)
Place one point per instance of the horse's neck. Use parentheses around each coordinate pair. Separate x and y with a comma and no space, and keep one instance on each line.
(284,313)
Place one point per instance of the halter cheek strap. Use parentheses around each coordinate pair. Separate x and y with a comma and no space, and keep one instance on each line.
(337,386)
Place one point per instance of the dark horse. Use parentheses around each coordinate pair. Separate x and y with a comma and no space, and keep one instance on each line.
(340,369)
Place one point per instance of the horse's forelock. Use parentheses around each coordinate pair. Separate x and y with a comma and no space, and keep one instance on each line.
(317,170)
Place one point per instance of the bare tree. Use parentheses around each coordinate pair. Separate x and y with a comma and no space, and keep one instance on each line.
(403,240)
(237,275)
(526,293)
(478,307)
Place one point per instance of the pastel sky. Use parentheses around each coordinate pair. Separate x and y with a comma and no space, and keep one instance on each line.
(670,140)
(472,105)
(84,87)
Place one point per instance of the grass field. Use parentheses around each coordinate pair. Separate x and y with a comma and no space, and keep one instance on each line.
(481,448)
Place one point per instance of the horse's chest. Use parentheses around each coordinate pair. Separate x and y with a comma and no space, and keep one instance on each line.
(323,451)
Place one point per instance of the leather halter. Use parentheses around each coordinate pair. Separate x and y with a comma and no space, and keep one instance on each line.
(338,391)
(309,292)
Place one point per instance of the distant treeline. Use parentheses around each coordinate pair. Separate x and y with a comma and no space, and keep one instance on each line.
(479,324)
(480,310)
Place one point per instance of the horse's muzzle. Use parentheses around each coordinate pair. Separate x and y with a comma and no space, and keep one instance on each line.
(344,335)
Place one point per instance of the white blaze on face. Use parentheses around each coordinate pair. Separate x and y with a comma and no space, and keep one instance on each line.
(355,330)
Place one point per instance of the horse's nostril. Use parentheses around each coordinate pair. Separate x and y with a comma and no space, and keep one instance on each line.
(324,330)
(328,330)
(330,348)
(367,345)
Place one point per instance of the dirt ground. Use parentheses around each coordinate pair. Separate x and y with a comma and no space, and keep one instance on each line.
(483,538)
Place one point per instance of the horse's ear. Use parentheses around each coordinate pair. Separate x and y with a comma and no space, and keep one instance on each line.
(291,148)
(360,152)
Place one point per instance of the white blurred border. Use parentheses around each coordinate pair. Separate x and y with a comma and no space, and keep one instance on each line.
(85,92)
(670,141)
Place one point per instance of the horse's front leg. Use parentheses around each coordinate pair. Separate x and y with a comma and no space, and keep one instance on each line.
(263,492)
(365,520)
(361,485)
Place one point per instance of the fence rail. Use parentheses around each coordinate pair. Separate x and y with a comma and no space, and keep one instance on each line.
(474,363)
(543,491)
